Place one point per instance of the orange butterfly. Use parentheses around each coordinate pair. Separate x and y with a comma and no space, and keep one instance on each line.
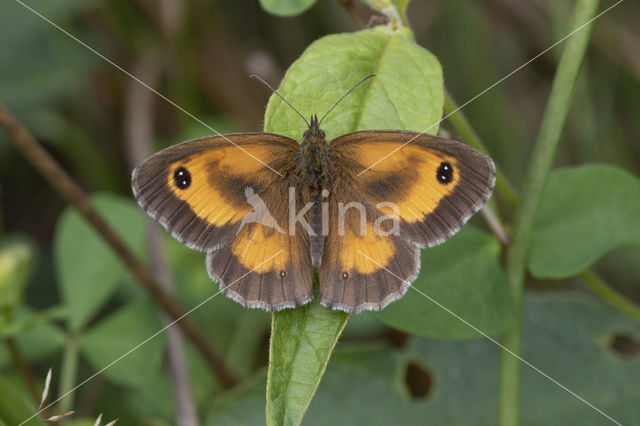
(269,211)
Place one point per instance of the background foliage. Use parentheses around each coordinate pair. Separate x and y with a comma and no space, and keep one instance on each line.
(68,303)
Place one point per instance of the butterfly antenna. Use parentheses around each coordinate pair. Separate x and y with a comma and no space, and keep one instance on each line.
(345,95)
(261,80)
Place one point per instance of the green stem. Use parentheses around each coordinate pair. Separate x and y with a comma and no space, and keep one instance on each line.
(469,135)
(610,295)
(68,373)
(538,169)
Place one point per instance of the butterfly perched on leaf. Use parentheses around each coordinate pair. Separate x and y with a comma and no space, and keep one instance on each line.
(269,211)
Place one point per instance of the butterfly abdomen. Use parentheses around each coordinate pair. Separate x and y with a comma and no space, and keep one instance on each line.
(315,168)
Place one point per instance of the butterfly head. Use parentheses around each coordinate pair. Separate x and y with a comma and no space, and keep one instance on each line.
(314,134)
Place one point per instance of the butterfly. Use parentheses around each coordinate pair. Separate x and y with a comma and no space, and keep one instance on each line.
(271,212)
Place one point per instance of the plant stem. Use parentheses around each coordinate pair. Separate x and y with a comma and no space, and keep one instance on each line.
(68,372)
(609,294)
(541,161)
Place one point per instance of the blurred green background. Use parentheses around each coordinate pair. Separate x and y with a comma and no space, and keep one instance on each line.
(77,315)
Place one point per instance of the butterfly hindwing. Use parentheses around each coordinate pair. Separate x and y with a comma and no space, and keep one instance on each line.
(364,264)
(264,266)
(433,185)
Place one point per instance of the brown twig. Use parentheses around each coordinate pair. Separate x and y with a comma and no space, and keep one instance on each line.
(70,191)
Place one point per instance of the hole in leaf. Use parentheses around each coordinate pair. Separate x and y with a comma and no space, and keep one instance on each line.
(625,345)
(419,381)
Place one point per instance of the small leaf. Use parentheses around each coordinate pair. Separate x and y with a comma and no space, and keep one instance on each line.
(286,7)
(127,331)
(25,321)
(302,340)
(464,275)
(36,335)
(88,270)
(584,213)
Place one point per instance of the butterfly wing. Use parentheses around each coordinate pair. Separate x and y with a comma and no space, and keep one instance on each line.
(196,189)
(429,187)
(433,185)
(230,201)
(362,269)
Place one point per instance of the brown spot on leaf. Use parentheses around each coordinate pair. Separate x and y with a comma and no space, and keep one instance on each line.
(419,381)
(625,345)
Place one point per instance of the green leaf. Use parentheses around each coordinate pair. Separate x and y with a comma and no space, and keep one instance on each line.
(302,340)
(36,335)
(88,270)
(124,333)
(464,275)
(407,93)
(31,320)
(584,213)
(242,406)
(286,7)
(14,409)
(566,335)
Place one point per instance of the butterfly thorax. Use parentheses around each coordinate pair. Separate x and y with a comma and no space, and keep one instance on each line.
(314,160)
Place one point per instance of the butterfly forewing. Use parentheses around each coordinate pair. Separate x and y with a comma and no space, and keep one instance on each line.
(435,184)
(196,189)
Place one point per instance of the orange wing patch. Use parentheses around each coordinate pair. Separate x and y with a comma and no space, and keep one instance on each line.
(356,250)
(408,178)
(256,244)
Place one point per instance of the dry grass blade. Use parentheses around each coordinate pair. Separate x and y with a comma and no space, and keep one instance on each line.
(45,392)
(59,416)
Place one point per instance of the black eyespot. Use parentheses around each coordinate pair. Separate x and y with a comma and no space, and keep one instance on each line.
(283,274)
(444,173)
(345,276)
(182,178)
